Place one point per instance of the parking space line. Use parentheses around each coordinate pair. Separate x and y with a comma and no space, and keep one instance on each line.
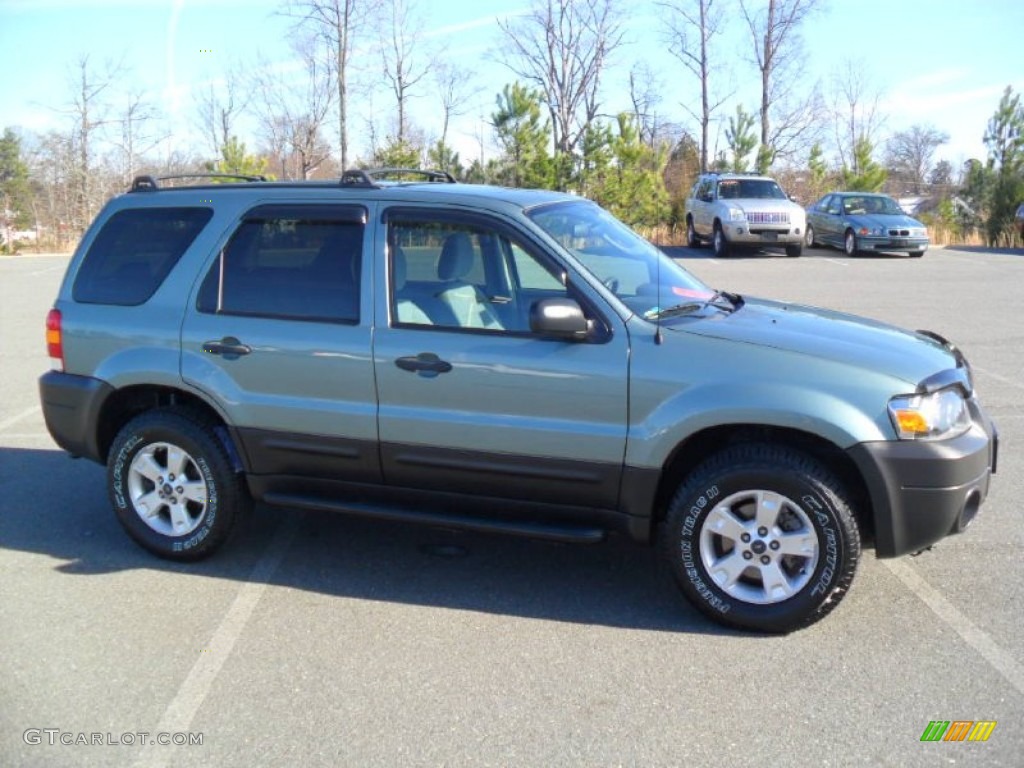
(835,261)
(1011,670)
(193,691)
(18,417)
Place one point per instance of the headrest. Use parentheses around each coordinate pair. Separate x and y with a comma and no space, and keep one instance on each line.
(456,257)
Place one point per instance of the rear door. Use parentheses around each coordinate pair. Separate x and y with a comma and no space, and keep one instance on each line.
(278,335)
(491,408)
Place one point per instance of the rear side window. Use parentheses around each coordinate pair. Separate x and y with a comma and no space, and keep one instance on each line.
(133,253)
(290,262)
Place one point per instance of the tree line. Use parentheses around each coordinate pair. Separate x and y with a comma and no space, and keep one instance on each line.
(549,126)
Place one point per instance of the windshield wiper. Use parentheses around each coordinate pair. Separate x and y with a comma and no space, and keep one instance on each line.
(735,301)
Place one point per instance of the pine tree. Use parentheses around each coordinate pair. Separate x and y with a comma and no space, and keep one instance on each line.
(1005,141)
(870,176)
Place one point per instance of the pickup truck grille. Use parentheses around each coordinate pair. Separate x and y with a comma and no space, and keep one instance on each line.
(768,218)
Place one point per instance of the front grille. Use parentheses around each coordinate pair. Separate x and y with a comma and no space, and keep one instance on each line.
(760,217)
(899,233)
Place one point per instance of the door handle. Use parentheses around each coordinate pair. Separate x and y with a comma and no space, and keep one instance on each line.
(229,346)
(425,363)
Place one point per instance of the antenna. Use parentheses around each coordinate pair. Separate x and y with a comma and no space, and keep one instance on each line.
(657,317)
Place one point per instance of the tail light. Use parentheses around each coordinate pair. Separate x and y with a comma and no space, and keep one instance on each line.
(54,341)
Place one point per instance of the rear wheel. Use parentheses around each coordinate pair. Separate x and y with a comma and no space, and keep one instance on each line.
(719,243)
(762,537)
(850,243)
(809,237)
(172,485)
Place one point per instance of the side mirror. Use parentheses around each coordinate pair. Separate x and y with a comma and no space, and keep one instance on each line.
(559,319)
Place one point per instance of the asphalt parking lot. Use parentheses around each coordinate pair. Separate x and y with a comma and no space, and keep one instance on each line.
(322,640)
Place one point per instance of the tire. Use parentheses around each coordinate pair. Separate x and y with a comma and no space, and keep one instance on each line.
(190,520)
(850,243)
(692,241)
(793,250)
(799,501)
(809,240)
(719,243)
(916,254)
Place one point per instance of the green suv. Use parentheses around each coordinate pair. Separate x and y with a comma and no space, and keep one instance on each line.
(504,360)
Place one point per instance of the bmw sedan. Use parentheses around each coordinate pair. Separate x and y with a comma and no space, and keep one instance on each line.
(862,221)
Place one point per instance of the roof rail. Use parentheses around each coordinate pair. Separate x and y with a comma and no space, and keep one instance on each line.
(150,183)
(367,177)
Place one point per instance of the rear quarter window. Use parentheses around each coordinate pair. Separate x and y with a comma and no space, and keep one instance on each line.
(133,253)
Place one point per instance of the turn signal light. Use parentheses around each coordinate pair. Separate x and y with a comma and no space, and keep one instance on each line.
(912,422)
(54,342)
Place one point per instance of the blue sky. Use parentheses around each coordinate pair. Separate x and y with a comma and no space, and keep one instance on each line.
(938,62)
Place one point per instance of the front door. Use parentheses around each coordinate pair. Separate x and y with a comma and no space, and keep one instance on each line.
(470,399)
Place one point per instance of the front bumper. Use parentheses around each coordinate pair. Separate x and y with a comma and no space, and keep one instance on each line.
(923,491)
(71,408)
(753,234)
(892,244)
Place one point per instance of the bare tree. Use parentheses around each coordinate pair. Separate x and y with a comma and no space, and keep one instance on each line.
(218,107)
(645,96)
(563,46)
(909,153)
(690,30)
(339,23)
(137,138)
(454,87)
(89,112)
(855,109)
(292,114)
(402,70)
(774,30)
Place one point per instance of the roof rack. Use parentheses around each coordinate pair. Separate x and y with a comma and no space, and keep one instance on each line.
(360,177)
(150,183)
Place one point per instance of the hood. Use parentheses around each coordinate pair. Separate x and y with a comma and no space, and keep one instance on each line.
(885,221)
(830,335)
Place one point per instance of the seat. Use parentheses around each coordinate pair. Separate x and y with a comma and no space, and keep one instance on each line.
(467,303)
(406,310)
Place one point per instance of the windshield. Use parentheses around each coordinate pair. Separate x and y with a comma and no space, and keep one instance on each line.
(758,189)
(872,205)
(623,261)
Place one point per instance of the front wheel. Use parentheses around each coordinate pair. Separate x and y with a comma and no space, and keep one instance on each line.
(850,243)
(793,250)
(916,254)
(762,537)
(719,243)
(172,485)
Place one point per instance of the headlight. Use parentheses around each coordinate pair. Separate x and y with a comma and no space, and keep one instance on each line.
(936,416)
(919,232)
(737,214)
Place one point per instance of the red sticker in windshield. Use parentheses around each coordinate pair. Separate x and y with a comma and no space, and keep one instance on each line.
(690,293)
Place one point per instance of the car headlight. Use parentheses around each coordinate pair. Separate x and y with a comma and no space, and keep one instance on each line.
(875,231)
(737,214)
(919,232)
(935,416)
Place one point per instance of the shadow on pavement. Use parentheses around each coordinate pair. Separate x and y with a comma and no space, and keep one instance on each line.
(58,507)
(986,249)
